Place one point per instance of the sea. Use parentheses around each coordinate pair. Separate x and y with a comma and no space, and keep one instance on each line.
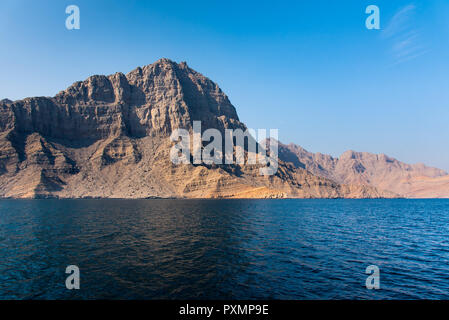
(301,249)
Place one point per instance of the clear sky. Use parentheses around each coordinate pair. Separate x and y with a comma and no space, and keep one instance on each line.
(309,68)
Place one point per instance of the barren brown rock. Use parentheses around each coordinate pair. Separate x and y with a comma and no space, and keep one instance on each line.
(108,137)
(376,170)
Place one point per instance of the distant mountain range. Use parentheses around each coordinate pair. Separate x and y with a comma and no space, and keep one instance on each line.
(108,137)
(376,170)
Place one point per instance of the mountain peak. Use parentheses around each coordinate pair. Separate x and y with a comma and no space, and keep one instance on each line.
(164,61)
(108,136)
(150,100)
(349,154)
(6,101)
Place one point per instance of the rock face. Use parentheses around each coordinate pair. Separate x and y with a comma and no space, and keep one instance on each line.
(426,187)
(379,171)
(108,136)
(6,101)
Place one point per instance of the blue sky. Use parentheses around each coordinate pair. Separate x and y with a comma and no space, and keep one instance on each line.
(309,68)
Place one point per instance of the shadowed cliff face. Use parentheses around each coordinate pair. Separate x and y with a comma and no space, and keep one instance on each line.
(147,101)
(108,136)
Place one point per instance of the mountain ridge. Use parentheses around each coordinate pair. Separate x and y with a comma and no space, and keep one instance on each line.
(109,137)
(365,168)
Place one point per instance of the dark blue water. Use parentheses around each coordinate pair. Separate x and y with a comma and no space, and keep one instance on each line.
(216,249)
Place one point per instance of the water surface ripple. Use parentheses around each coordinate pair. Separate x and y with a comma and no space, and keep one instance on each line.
(224,249)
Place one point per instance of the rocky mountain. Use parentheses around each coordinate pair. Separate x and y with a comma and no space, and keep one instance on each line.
(376,170)
(6,101)
(108,136)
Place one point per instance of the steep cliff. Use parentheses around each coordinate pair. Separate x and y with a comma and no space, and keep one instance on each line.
(108,136)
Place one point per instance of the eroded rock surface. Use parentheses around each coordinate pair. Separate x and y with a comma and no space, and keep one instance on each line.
(108,136)
(376,170)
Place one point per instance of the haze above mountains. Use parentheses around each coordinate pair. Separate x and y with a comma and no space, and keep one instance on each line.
(108,137)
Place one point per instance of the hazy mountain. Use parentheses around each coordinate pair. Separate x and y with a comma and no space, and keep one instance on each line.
(377,170)
(108,136)
(426,187)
